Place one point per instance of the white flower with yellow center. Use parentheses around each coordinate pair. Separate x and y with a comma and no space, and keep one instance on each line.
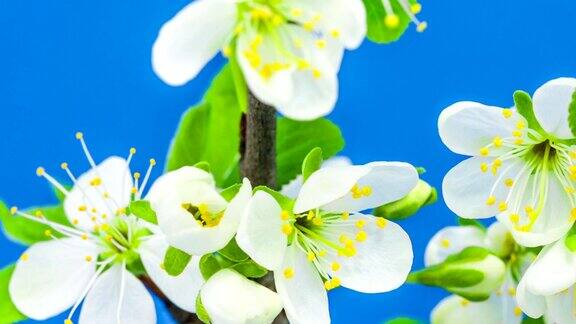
(289,50)
(321,240)
(522,171)
(501,307)
(549,285)
(193,214)
(94,259)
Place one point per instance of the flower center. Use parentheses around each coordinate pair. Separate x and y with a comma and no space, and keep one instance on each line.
(202,215)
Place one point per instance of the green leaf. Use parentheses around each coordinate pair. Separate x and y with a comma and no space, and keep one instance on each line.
(143,210)
(250,269)
(572,114)
(378,32)
(203,165)
(230,192)
(523,104)
(8,312)
(233,252)
(210,132)
(402,320)
(570,242)
(25,231)
(471,222)
(201,311)
(528,320)
(209,265)
(312,162)
(295,139)
(423,194)
(175,261)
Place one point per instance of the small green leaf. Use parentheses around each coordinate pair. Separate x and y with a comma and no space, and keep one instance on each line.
(295,139)
(570,242)
(312,162)
(471,222)
(201,311)
(378,32)
(203,165)
(250,269)
(572,114)
(209,265)
(523,104)
(402,320)
(233,252)
(528,320)
(230,192)
(422,195)
(421,170)
(8,312)
(25,231)
(175,261)
(143,210)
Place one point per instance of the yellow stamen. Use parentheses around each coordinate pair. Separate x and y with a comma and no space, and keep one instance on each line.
(361,236)
(381,222)
(491,201)
(289,273)
(484,151)
(287,229)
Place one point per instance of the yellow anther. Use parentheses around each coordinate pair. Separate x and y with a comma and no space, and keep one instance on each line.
(75,221)
(512,291)
(349,251)
(484,166)
(296,12)
(516,133)
(322,253)
(321,43)
(519,141)
(497,163)
(287,229)
(366,191)
(336,282)
(226,51)
(416,8)
(327,285)
(68,321)
(152,162)
(289,273)
(523,228)
(88,258)
(507,113)
(39,214)
(517,311)
(391,21)
(93,218)
(82,208)
(84,236)
(24,257)
(311,256)
(508,182)
(309,26)
(520,124)
(136,175)
(13,210)
(317,221)
(502,206)
(360,223)
(497,141)
(343,239)
(335,266)
(491,201)
(40,171)
(445,243)
(335,33)
(134,190)
(303,64)
(284,215)
(105,227)
(528,209)
(484,151)
(381,222)
(573,214)
(310,215)
(464,302)
(316,73)
(96,182)
(79,135)
(570,190)
(132,150)
(361,236)
(345,215)
(48,233)
(64,165)
(422,27)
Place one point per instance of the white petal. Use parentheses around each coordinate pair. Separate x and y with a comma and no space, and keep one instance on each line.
(260,232)
(531,304)
(192,38)
(381,263)
(230,298)
(466,127)
(275,90)
(344,20)
(178,181)
(553,271)
(387,181)
(181,290)
(551,103)
(561,307)
(304,296)
(292,189)
(51,276)
(466,187)
(327,185)
(116,182)
(451,240)
(499,240)
(118,297)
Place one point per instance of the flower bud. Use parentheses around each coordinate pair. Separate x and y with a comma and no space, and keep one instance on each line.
(473,274)
(423,194)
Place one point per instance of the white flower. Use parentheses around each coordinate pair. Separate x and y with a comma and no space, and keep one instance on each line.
(292,188)
(523,176)
(191,212)
(229,297)
(321,240)
(547,288)
(92,260)
(289,50)
(501,307)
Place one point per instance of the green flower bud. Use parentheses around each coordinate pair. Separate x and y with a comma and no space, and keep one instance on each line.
(423,194)
(473,274)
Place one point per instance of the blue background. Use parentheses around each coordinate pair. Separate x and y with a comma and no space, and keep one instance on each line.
(85,65)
